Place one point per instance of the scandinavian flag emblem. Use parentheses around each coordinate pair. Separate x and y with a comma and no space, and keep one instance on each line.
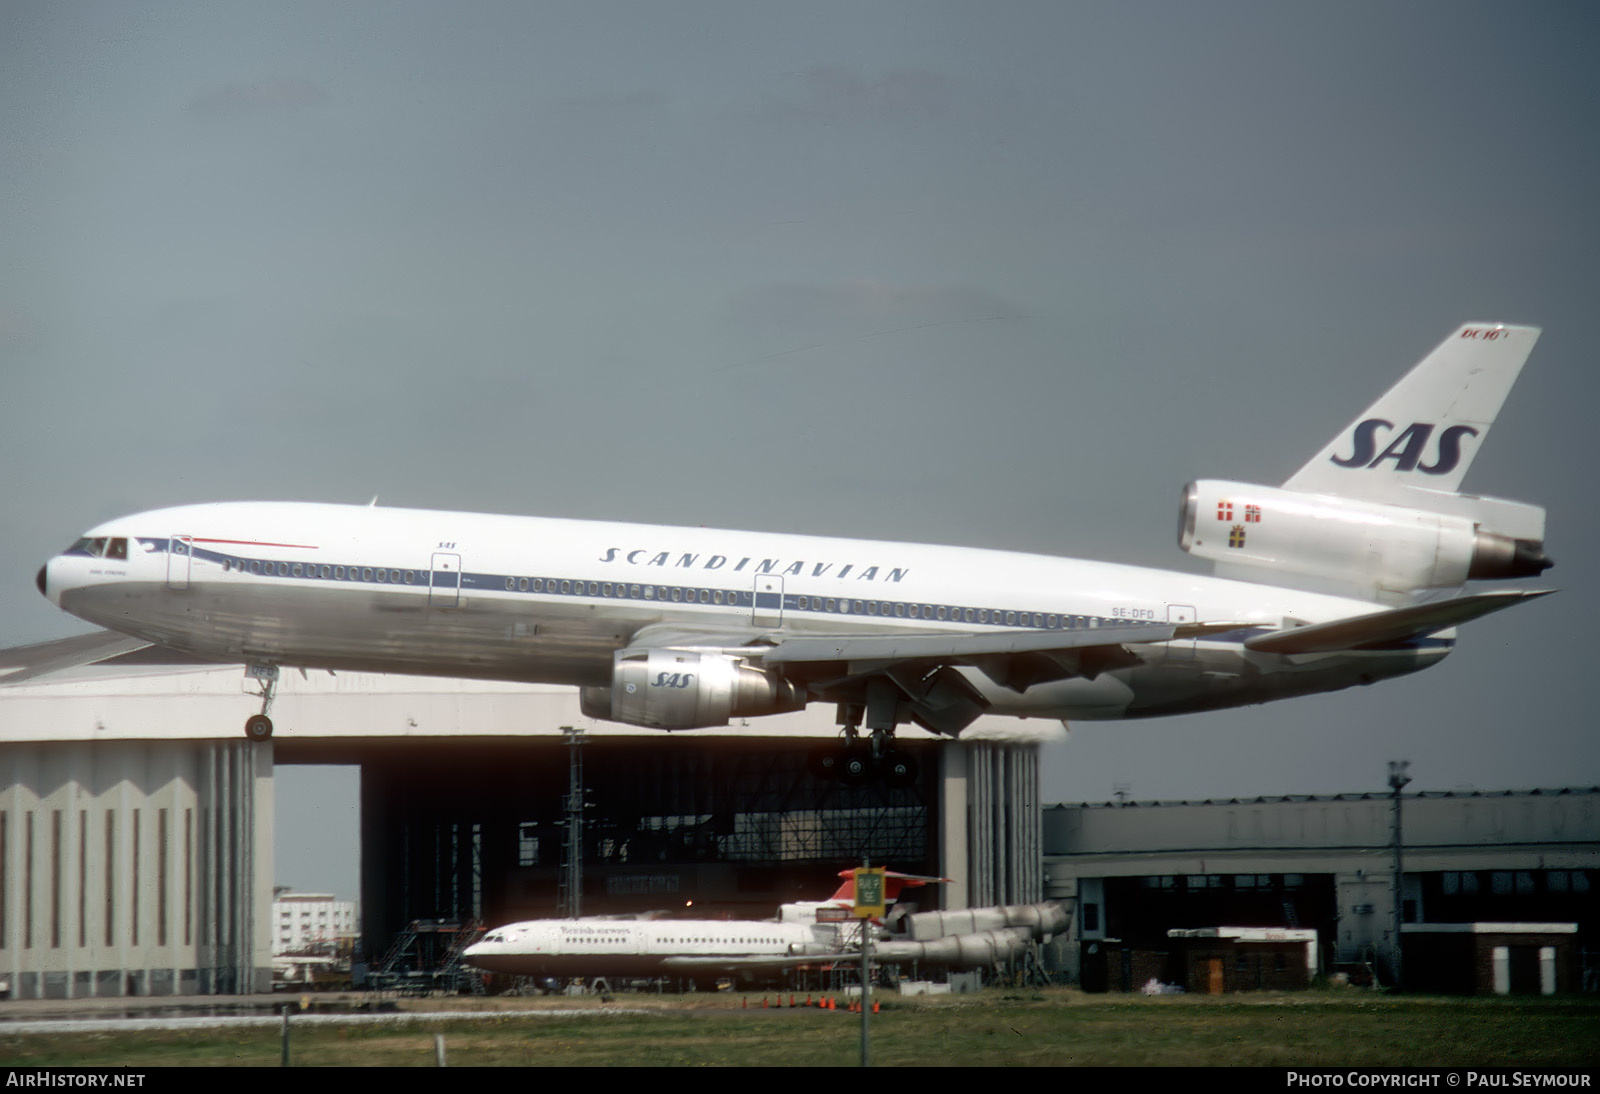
(1236,536)
(1252,514)
(1224,510)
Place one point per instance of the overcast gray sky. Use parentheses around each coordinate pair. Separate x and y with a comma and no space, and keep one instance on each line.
(999,274)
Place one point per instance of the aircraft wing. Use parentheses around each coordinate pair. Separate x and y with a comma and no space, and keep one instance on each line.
(959,648)
(21,663)
(920,665)
(1394,625)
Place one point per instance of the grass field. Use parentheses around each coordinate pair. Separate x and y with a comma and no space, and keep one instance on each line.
(1018,1029)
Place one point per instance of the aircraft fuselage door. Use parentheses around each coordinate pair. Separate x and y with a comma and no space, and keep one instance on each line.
(1182,648)
(767,603)
(444,580)
(180,558)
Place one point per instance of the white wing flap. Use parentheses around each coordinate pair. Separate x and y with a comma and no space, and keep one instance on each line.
(963,645)
(1397,625)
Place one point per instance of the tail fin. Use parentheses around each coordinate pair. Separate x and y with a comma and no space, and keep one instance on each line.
(1423,433)
(1378,513)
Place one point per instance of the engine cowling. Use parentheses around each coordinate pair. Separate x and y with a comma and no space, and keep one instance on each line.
(687,689)
(1264,533)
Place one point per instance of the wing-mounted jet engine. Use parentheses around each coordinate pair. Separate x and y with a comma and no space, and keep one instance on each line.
(688,689)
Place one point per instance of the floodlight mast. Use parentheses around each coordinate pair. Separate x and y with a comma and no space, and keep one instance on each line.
(1397,782)
(570,902)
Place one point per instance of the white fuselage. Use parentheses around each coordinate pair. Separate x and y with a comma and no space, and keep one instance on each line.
(543,600)
(617,947)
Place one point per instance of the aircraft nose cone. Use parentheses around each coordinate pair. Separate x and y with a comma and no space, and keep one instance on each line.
(40,581)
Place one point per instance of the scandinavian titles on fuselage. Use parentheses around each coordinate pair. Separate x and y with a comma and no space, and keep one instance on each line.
(644,556)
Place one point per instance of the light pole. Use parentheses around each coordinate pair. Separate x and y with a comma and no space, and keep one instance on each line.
(1397,782)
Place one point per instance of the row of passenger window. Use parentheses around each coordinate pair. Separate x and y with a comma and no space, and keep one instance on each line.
(837,605)
(311,569)
(609,589)
(677,594)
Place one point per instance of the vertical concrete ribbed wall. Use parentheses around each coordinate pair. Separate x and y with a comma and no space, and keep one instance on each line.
(1004,837)
(135,868)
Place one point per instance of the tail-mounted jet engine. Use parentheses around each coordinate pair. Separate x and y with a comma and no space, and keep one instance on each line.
(685,689)
(1263,533)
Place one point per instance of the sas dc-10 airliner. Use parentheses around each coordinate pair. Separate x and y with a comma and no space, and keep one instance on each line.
(1348,573)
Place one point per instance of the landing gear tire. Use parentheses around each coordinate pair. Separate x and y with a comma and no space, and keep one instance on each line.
(258,727)
(823,762)
(899,769)
(856,767)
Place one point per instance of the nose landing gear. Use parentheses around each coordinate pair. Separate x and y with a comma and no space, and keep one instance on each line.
(258,727)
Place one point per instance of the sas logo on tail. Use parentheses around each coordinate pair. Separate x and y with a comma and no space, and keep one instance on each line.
(1408,448)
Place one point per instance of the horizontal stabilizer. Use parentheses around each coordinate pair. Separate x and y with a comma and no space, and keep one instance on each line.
(1397,625)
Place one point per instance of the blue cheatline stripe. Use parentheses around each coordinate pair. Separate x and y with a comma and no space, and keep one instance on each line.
(898,611)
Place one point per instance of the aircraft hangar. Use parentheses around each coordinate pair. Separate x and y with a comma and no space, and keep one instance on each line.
(136,830)
(1493,863)
(136,820)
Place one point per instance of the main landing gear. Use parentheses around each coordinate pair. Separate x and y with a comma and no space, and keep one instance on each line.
(856,762)
(258,727)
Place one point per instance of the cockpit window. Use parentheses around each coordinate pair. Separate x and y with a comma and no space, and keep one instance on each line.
(100,547)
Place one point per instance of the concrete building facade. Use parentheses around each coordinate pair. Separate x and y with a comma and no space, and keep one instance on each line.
(132,867)
(1135,870)
(306,922)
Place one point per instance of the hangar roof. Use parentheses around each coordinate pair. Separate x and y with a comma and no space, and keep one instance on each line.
(137,696)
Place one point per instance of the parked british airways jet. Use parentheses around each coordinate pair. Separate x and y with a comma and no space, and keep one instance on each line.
(1348,573)
(805,933)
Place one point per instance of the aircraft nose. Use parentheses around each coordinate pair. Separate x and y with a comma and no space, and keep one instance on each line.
(49,587)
